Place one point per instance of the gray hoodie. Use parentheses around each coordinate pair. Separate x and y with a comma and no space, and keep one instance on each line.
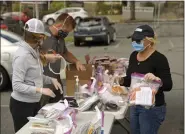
(27,74)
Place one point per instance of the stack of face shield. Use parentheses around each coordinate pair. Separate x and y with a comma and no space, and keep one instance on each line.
(41,126)
(59,118)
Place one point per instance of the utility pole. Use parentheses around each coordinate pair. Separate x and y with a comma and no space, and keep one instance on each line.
(64,4)
(37,10)
(132,10)
(159,7)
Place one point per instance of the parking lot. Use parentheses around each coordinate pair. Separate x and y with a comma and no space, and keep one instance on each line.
(171,46)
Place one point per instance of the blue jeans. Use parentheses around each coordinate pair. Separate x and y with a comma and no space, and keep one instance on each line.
(146,121)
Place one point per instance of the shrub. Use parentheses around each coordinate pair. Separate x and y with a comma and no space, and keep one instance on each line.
(105,9)
(55,6)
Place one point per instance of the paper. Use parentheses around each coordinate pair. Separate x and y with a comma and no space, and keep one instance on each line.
(59,106)
(66,103)
(144,96)
(59,129)
(47,108)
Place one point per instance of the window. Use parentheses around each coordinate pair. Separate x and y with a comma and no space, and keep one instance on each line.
(10,39)
(60,11)
(76,10)
(69,10)
(90,22)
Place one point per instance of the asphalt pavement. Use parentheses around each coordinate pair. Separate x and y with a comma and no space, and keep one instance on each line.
(172,47)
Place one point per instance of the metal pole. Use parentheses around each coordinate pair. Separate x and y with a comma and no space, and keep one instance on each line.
(20,11)
(37,10)
(155,15)
(64,4)
(49,4)
(159,5)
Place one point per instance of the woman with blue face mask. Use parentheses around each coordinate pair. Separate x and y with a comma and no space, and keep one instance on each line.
(145,59)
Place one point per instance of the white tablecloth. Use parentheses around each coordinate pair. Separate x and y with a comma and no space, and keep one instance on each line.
(81,118)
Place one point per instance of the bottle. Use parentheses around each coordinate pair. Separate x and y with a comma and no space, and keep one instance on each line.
(93,71)
(77,89)
(106,76)
(92,87)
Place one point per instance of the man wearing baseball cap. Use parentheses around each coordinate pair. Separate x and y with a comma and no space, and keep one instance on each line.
(28,78)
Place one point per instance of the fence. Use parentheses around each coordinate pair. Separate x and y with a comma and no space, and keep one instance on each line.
(164,29)
(142,13)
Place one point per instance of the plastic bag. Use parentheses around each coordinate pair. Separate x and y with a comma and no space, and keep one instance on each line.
(54,111)
(72,113)
(143,96)
(91,127)
(64,126)
(137,80)
(107,97)
(39,127)
(87,103)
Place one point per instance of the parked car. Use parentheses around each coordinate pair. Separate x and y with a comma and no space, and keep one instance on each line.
(96,29)
(76,12)
(3,25)
(9,44)
(17,16)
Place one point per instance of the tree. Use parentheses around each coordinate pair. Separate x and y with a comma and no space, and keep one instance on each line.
(132,10)
(9,6)
(124,3)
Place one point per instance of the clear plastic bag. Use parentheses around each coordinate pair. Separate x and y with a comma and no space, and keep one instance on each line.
(72,112)
(87,103)
(91,127)
(38,127)
(107,97)
(64,126)
(54,111)
(137,79)
(145,95)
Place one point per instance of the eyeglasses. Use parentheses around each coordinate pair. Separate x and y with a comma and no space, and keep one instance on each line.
(42,36)
(138,41)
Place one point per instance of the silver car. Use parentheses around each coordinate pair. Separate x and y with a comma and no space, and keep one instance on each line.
(9,45)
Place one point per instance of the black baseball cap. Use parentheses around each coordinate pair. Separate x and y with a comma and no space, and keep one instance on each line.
(141,32)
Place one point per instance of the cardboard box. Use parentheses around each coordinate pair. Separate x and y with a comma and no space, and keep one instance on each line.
(84,77)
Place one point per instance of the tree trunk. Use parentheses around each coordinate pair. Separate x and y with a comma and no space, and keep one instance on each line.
(45,6)
(9,6)
(132,10)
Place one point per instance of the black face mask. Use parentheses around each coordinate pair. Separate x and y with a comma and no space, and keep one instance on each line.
(62,34)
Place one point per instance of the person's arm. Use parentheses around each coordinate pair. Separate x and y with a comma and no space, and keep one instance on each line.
(20,67)
(163,72)
(47,80)
(69,57)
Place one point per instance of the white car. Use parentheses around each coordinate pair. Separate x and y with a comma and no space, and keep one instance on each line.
(76,12)
(9,14)
(9,45)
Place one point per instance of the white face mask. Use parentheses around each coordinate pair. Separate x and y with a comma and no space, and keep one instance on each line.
(41,42)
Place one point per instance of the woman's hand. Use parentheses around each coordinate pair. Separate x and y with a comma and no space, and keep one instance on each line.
(52,58)
(57,85)
(150,76)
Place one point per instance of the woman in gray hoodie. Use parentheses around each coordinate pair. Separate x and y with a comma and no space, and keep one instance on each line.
(28,78)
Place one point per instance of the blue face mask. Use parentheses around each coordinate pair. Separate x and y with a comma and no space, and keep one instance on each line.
(139,47)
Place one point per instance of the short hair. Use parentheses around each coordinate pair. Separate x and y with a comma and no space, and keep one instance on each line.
(69,19)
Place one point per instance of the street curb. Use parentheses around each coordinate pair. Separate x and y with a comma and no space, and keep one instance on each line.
(149,21)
